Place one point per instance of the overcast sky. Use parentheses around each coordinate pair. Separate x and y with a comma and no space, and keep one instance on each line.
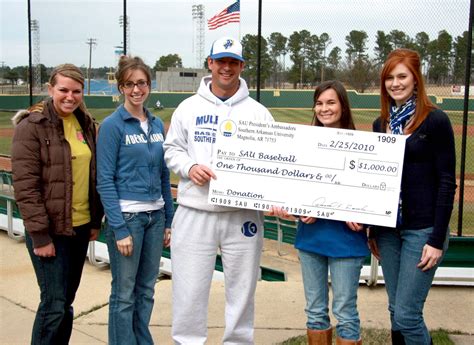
(160,27)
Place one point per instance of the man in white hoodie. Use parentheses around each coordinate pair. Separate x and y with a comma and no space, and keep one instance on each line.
(200,229)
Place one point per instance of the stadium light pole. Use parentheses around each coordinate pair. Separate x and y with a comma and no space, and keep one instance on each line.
(198,34)
(91,42)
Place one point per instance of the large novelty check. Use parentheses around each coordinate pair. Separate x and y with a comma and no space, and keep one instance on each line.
(312,171)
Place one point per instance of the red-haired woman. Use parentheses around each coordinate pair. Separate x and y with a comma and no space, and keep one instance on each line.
(411,252)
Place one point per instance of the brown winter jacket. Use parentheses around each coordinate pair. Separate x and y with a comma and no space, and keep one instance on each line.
(42,172)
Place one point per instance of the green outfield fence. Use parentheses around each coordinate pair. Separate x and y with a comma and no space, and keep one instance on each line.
(456,267)
(289,46)
(269,98)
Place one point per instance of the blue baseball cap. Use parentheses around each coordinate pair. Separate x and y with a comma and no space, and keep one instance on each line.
(226,47)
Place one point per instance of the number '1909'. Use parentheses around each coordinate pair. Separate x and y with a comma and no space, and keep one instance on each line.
(387,139)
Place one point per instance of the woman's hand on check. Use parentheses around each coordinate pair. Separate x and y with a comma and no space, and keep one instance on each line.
(281,213)
(307,220)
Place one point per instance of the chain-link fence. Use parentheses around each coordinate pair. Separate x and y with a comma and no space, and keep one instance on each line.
(303,43)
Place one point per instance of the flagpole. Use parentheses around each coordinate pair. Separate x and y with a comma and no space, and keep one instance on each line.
(259,48)
(240,21)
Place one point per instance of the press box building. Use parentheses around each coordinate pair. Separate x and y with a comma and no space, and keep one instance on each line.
(179,79)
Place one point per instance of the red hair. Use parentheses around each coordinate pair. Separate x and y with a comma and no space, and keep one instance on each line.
(411,60)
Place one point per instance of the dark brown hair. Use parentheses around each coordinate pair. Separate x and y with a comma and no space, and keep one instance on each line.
(131,63)
(411,60)
(346,114)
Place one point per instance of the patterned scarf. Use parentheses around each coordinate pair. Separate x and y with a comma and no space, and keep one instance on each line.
(401,115)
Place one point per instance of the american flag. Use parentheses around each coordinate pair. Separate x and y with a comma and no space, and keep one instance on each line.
(229,15)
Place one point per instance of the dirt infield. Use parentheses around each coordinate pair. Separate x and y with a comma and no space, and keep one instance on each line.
(6,132)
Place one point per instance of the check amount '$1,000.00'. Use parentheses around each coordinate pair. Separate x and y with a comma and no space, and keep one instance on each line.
(313,171)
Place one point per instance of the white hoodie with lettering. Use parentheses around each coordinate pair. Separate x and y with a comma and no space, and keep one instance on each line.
(192,134)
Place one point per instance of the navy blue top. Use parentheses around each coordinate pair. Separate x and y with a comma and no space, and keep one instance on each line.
(331,238)
(428,179)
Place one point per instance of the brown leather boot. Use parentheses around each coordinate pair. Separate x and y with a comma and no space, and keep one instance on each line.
(342,341)
(316,337)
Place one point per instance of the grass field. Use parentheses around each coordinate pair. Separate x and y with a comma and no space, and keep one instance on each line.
(362,118)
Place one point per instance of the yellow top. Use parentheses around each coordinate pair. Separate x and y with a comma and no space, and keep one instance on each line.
(81,158)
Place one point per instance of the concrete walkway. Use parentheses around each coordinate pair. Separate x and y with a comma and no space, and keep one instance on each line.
(279,305)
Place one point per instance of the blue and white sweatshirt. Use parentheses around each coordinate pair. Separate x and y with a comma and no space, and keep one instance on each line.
(131,166)
(192,135)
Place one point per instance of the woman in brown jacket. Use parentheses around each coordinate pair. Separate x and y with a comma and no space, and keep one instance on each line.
(54,178)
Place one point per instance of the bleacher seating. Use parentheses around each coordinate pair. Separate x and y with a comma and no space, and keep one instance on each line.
(457,267)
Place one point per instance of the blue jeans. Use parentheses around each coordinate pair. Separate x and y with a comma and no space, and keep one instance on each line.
(400,253)
(58,279)
(134,278)
(345,274)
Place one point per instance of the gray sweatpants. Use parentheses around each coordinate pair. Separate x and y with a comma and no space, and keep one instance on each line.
(196,237)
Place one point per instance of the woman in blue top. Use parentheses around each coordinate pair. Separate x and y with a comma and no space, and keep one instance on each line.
(328,245)
(134,186)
